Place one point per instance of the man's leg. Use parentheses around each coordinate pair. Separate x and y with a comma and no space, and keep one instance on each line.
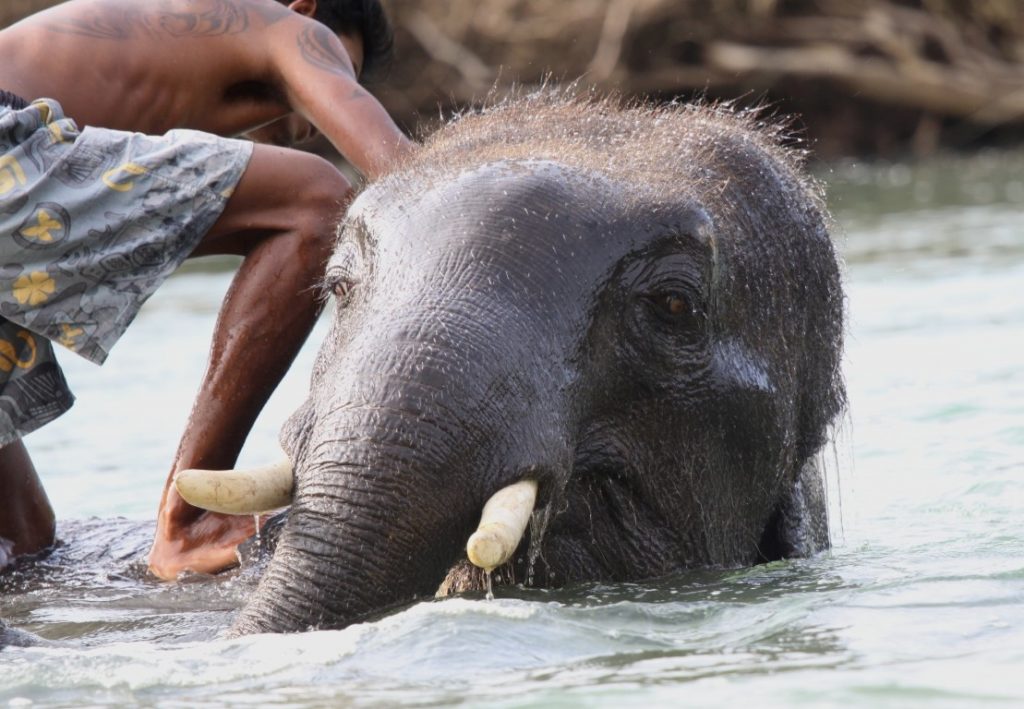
(282,218)
(26,518)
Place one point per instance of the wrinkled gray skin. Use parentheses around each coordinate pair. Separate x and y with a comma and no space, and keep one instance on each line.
(640,309)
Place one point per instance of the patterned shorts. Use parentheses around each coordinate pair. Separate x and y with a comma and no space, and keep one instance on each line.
(91,223)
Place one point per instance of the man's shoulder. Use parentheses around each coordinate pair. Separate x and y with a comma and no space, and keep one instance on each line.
(167,19)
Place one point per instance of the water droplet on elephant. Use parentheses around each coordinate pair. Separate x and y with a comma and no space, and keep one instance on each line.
(538,524)
(490,586)
(256,519)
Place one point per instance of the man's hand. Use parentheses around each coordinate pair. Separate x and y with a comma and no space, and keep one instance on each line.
(190,539)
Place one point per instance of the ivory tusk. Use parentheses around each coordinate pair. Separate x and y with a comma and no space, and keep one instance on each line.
(238,492)
(502,525)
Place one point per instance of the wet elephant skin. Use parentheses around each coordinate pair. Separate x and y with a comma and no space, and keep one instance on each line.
(639,308)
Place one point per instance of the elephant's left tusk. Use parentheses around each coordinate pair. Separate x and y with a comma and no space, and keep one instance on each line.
(502,525)
(238,492)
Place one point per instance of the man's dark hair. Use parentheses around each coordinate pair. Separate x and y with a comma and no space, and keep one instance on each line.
(360,18)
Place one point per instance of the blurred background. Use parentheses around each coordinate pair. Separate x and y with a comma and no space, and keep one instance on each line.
(888,78)
(879,77)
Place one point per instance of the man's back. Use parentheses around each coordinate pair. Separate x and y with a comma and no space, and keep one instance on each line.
(153,66)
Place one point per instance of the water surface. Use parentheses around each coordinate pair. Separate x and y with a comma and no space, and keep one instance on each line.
(921,602)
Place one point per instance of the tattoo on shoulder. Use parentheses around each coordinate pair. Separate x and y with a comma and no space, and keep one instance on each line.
(172,18)
(98,26)
(216,18)
(323,50)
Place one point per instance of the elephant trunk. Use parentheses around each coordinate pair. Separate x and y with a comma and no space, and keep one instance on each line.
(349,547)
(386,497)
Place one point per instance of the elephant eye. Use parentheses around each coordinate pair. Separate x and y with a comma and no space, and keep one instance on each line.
(342,289)
(674,304)
(674,307)
(340,283)
(344,271)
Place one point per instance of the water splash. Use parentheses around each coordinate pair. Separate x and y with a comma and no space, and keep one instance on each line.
(538,524)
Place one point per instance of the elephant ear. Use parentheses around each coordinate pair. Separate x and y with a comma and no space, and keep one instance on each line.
(799,526)
(295,432)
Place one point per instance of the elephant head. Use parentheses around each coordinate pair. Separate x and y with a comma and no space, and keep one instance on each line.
(640,309)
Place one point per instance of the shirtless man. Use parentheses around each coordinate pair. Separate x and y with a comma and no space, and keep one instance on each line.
(94,217)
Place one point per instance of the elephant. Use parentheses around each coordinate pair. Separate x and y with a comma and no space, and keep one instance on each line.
(637,310)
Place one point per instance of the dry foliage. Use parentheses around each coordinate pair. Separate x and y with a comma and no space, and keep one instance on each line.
(937,70)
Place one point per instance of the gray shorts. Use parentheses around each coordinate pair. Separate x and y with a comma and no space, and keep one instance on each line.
(91,223)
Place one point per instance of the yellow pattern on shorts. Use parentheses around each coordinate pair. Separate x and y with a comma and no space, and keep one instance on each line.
(45,225)
(117,179)
(33,288)
(11,174)
(9,358)
(70,335)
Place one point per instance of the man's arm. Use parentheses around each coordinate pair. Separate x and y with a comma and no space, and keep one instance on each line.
(320,83)
(281,217)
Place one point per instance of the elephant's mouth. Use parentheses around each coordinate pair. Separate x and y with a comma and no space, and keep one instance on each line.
(503,520)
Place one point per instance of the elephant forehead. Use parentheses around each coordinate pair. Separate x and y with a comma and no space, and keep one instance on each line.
(494,195)
(521,209)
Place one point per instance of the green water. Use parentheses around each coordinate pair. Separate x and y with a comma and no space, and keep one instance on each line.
(920,603)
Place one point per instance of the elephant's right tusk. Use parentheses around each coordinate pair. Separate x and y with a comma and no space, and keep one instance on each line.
(238,492)
(502,525)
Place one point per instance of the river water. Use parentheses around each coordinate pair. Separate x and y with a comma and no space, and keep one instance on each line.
(921,602)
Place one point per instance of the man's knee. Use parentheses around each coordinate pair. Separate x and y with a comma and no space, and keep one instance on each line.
(282,193)
(319,204)
(324,188)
